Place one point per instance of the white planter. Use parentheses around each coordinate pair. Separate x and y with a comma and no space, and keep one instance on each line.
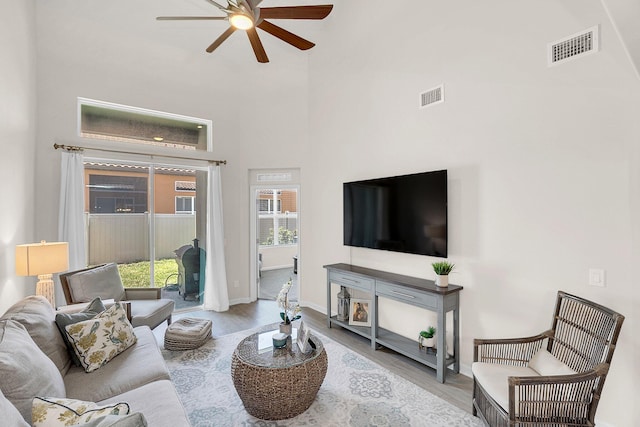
(442,280)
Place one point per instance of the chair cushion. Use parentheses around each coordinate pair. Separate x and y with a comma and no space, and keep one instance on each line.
(63,320)
(38,317)
(98,340)
(494,379)
(150,312)
(103,281)
(545,363)
(60,412)
(25,370)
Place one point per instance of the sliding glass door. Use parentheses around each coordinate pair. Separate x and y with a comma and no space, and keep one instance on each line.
(141,212)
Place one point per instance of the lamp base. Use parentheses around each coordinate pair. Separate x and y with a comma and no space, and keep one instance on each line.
(45,288)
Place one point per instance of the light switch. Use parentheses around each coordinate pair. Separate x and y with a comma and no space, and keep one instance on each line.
(597,277)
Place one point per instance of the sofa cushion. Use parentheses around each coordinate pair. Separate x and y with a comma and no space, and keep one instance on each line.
(57,412)
(103,281)
(163,410)
(140,364)
(545,363)
(63,320)
(10,415)
(38,317)
(98,340)
(25,370)
(136,419)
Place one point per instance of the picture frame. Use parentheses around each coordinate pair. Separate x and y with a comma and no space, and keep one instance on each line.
(302,338)
(359,312)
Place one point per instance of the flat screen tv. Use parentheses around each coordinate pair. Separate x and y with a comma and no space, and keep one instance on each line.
(405,213)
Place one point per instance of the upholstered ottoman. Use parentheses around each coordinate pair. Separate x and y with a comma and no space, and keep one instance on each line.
(187,333)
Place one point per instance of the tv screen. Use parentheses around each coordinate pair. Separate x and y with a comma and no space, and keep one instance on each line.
(405,213)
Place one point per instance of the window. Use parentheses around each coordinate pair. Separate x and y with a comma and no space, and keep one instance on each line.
(103,120)
(185,205)
(116,193)
(266,206)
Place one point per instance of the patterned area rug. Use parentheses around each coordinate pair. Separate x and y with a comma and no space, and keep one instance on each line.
(356,392)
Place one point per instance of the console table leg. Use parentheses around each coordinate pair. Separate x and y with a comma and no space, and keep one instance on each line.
(441,355)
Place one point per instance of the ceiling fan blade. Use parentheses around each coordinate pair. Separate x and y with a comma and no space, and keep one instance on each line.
(213,46)
(286,36)
(256,44)
(191,18)
(296,12)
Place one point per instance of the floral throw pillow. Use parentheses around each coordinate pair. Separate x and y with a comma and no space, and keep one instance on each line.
(55,412)
(96,341)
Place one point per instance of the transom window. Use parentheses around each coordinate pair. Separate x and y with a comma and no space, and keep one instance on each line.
(103,120)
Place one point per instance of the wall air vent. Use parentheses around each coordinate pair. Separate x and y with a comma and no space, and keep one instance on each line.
(574,46)
(432,96)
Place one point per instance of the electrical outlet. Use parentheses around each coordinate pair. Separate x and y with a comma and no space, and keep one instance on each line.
(597,277)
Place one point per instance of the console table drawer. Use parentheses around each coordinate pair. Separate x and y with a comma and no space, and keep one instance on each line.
(351,280)
(408,295)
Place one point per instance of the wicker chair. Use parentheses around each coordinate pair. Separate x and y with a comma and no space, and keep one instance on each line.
(562,390)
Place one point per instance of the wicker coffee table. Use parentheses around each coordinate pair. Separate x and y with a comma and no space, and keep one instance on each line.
(277,384)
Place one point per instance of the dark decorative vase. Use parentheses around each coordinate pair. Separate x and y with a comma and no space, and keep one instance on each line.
(343,304)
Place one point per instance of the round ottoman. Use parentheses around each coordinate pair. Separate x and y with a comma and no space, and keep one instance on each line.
(187,333)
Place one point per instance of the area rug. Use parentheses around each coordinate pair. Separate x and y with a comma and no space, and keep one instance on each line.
(356,392)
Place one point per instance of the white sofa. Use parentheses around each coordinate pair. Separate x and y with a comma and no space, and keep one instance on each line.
(34,361)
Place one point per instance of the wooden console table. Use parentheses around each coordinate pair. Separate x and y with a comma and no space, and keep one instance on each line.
(410,290)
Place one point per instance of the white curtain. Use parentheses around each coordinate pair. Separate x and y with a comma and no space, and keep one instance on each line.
(71,215)
(216,295)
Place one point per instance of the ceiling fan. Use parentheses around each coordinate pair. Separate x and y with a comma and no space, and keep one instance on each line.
(246,15)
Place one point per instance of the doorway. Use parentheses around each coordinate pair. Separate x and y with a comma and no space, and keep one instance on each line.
(275,257)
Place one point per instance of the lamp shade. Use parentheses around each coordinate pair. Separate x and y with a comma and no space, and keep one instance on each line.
(42,258)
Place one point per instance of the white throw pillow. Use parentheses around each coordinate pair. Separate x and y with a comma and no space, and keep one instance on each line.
(96,341)
(56,412)
(545,363)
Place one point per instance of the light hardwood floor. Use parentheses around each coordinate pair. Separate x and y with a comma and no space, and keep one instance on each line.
(456,390)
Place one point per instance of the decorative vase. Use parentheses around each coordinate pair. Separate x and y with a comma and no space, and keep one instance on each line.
(426,343)
(442,280)
(343,304)
(286,328)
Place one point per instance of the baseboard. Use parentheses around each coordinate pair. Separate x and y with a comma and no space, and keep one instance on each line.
(240,301)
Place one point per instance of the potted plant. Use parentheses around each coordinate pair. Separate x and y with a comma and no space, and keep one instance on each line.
(425,339)
(442,270)
(290,310)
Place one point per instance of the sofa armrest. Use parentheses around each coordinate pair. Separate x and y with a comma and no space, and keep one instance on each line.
(141,293)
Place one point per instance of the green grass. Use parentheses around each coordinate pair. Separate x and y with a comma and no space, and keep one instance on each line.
(136,275)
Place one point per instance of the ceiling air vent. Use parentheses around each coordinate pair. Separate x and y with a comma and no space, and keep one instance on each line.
(432,97)
(576,45)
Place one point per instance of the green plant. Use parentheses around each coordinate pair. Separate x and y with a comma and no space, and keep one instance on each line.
(443,268)
(429,333)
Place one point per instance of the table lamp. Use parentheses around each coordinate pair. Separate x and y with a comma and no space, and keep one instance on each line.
(42,260)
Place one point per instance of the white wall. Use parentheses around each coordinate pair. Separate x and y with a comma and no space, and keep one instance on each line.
(542,161)
(115,51)
(17,140)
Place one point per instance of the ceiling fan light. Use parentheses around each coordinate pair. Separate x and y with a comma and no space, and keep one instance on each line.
(241,21)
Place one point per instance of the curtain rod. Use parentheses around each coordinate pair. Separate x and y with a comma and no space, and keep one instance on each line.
(79,148)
